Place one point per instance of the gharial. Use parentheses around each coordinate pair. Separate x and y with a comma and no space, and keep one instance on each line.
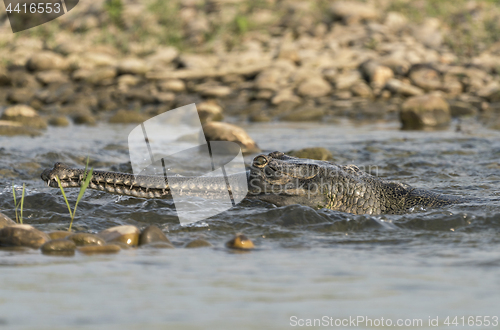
(281,180)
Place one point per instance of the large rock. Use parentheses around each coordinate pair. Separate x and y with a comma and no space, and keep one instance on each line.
(22,235)
(46,60)
(425,111)
(314,87)
(217,131)
(5,221)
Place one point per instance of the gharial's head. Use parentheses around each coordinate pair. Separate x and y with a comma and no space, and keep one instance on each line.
(277,173)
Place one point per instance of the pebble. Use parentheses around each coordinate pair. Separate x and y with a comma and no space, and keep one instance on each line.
(425,111)
(128,235)
(240,242)
(99,249)
(46,60)
(152,234)
(22,235)
(314,87)
(59,247)
(83,239)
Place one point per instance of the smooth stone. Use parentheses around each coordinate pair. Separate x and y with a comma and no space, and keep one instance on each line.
(240,242)
(152,234)
(25,115)
(83,239)
(132,66)
(217,131)
(425,78)
(46,60)
(172,85)
(314,87)
(318,153)
(60,234)
(198,243)
(84,119)
(5,221)
(158,245)
(127,234)
(399,87)
(425,111)
(59,247)
(99,249)
(22,235)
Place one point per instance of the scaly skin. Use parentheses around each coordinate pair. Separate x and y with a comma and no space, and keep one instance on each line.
(279,179)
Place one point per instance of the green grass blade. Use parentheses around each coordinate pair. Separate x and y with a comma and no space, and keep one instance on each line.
(64,195)
(22,203)
(15,202)
(84,186)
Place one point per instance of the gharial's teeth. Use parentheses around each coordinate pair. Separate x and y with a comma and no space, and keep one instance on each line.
(48,182)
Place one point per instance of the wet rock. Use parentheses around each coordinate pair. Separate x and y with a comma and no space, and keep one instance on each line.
(425,111)
(5,221)
(60,234)
(22,235)
(198,243)
(317,153)
(61,247)
(314,87)
(83,239)
(209,111)
(46,60)
(99,249)
(158,245)
(127,117)
(133,66)
(425,78)
(240,242)
(25,115)
(172,85)
(217,131)
(60,121)
(152,234)
(401,88)
(128,235)
(459,108)
(352,12)
(52,77)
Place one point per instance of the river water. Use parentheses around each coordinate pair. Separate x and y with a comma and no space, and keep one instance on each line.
(309,264)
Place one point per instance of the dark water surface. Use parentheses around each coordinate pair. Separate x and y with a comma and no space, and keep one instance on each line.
(309,264)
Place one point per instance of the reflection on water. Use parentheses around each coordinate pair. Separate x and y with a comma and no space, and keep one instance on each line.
(309,263)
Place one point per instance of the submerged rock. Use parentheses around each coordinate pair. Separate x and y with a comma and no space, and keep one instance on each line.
(59,247)
(198,243)
(128,235)
(22,235)
(425,111)
(240,242)
(153,234)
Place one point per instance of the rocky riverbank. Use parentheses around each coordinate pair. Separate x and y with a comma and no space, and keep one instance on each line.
(355,60)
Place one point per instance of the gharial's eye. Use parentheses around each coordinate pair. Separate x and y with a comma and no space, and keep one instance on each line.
(260,161)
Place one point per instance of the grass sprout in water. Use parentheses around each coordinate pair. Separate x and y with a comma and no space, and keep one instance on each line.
(19,218)
(86,182)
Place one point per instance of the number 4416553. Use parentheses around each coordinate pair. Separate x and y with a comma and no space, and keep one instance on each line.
(472,321)
(34,8)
